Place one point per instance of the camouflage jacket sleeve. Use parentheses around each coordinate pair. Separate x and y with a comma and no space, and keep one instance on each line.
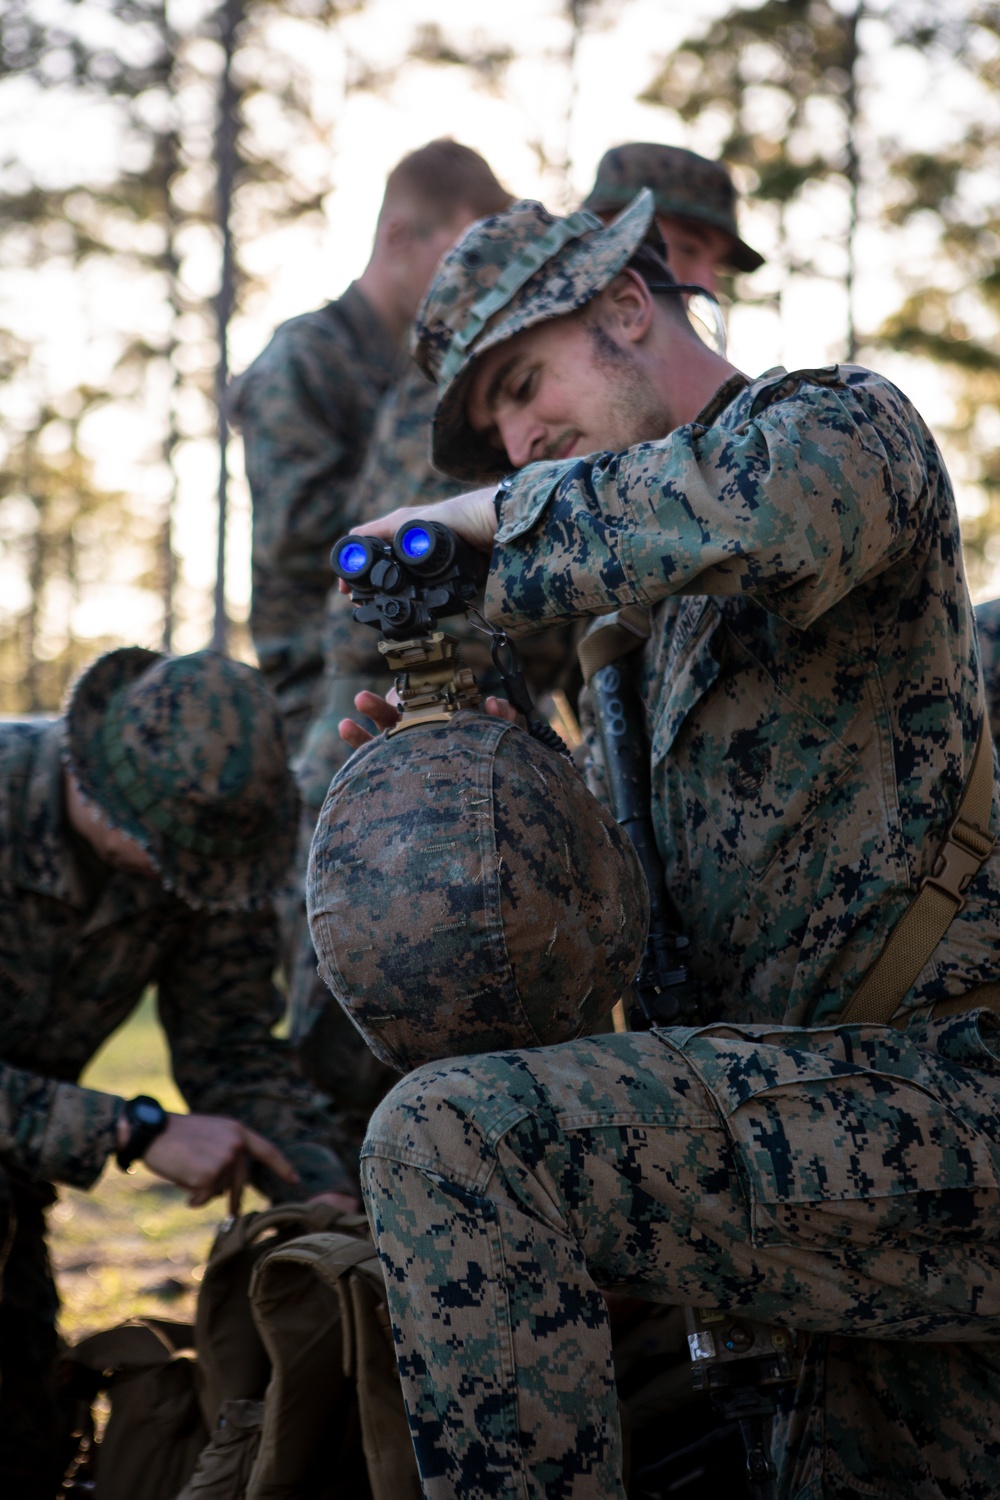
(218,1006)
(795,495)
(55,1132)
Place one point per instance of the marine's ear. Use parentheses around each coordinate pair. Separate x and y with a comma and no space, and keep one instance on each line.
(626,306)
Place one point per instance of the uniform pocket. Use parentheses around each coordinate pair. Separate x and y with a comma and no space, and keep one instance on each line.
(843,1135)
(756,761)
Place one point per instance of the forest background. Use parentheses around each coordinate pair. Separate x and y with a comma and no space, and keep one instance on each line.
(178,176)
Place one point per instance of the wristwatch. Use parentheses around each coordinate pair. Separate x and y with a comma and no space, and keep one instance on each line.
(146,1119)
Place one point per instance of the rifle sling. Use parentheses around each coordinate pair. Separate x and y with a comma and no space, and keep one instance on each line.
(966,846)
(963,851)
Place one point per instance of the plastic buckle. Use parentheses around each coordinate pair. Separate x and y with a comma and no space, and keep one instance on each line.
(965,849)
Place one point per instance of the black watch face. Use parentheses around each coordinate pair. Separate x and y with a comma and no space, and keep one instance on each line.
(147,1113)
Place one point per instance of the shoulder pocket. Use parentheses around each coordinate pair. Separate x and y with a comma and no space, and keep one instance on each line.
(757,763)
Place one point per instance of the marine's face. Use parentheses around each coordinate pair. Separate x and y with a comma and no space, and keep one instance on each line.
(696,252)
(558,390)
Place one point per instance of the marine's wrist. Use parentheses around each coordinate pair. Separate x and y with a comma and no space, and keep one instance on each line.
(140,1122)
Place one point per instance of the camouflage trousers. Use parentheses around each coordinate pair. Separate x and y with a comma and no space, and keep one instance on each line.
(841,1181)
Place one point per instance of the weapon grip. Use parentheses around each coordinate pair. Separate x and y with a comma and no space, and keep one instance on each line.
(663,977)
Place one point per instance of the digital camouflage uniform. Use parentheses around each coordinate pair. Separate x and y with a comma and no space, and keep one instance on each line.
(988,626)
(813,705)
(306,408)
(79,944)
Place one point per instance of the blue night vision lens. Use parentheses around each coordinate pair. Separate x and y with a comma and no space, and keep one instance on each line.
(353,558)
(417,543)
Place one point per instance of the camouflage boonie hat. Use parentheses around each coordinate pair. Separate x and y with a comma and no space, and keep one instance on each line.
(682,183)
(505,274)
(466,893)
(185,754)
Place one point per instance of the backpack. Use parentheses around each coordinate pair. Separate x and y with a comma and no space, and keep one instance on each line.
(319,1303)
(293,1393)
(155,1431)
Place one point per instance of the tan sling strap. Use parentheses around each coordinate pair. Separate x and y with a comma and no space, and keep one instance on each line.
(617,635)
(966,846)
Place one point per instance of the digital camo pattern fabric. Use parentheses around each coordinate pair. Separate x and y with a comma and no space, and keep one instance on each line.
(507,273)
(812,682)
(839,1180)
(186,755)
(988,626)
(813,698)
(458,872)
(306,408)
(397,472)
(79,943)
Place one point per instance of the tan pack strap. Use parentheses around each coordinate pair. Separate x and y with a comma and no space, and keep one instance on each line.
(624,631)
(962,852)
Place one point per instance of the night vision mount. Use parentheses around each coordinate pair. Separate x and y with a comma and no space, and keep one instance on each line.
(402,589)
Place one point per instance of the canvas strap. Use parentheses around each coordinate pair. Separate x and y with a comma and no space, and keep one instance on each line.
(963,851)
(617,635)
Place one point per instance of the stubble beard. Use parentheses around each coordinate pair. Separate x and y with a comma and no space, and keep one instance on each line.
(638,412)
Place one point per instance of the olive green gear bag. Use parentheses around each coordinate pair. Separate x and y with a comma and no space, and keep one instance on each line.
(286,1387)
(222,1471)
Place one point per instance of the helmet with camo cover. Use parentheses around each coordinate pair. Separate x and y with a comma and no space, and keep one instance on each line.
(683,184)
(507,273)
(466,893)
(185,754)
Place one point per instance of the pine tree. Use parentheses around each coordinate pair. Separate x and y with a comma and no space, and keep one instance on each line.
(175,96)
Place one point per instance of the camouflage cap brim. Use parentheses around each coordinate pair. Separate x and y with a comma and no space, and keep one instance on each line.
(494,284)
(739,257)
(215,873)
(684,185)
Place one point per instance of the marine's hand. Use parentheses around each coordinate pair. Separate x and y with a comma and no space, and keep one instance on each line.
(386,714)
(471,516)
(209,1154)
(381,712)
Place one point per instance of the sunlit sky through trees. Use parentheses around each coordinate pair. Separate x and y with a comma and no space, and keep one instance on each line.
(543,126)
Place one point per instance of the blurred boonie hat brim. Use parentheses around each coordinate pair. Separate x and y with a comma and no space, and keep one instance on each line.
(684,185)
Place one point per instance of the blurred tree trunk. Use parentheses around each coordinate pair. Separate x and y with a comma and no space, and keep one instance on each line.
(229,17)
(177,178)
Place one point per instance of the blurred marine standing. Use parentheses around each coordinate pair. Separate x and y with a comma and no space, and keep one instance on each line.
(306,407)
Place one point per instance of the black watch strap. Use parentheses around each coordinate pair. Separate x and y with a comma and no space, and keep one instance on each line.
(146,1119)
